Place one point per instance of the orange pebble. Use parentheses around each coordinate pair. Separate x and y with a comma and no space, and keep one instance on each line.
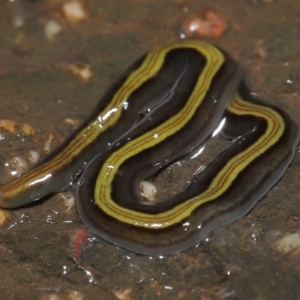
(11,126)
(8,125)
(212,25)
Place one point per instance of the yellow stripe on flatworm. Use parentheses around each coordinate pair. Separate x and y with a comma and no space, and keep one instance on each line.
(221,182)
(102,194)
(275,129)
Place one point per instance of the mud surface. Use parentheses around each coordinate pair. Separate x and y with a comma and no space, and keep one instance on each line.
(40,85)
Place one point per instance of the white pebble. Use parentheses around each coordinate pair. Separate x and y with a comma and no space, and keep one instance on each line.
(288,243)
(74,11)
(18,21)
(47,146)
(52,28)
(148,190)
(69,200)
(33,156)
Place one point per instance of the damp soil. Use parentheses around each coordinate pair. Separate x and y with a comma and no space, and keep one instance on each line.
(39,86)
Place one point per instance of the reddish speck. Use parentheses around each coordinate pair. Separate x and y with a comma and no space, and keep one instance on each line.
(79,237)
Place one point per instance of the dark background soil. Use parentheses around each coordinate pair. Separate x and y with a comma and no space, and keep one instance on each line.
(237,261)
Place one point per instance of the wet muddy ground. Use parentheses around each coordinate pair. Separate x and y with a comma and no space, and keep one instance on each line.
(53,70)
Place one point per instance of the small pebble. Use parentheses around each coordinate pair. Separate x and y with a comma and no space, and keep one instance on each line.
(47,146)
(288,243)
(8,125)
(11,126)
(33,156)
(72,122)
(52,28)
(18,21)
(69,200)
(211,25)
(27,129)
(84,72)
(16,166)
(74,11)
(123,294)
(148,190)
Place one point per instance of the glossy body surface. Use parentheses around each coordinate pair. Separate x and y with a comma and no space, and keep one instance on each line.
(163,107)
